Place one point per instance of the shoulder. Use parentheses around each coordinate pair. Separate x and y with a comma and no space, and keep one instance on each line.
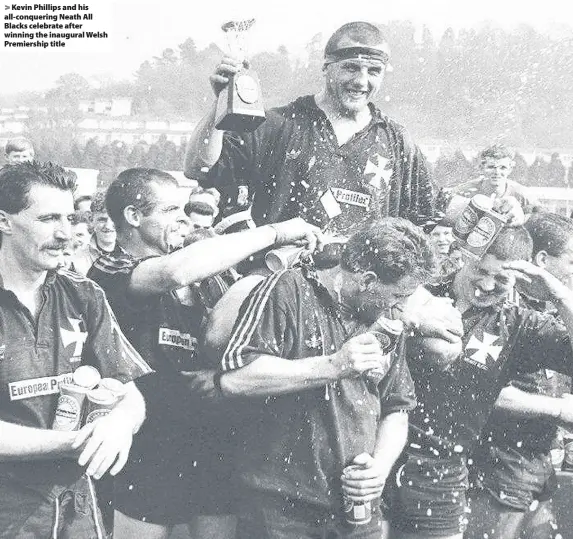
(468,189)
(113,263)
(78,287)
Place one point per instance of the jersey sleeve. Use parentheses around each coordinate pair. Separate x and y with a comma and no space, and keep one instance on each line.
(397,393)
(107,348)
(544,344)
(418,192)
(263,326)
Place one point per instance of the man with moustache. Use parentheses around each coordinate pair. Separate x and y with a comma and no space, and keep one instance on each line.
(51,322)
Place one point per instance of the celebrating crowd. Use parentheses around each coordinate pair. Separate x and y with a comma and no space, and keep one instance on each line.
(381,380)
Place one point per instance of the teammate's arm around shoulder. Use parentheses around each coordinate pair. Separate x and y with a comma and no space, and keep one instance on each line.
(209,257)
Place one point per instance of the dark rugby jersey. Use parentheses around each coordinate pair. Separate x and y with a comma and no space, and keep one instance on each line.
(297,444)
(454,404)
(292,166)
(527,435)
(164,328)
(75,326)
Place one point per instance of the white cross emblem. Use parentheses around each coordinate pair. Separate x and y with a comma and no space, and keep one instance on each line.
(379,170)
(76,336)
(484,348)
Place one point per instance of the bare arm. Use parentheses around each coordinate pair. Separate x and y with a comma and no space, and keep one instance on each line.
(214,255)
(206,142)
(270,375)
(204,146)
(531,405)
(27,443)
(390,440)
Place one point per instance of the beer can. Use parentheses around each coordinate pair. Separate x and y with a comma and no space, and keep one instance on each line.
(470,216)
(387,333)
(483,234)
(356,513)
(86,376)
(100,403)
(283,257)
(69,408)
(113,385)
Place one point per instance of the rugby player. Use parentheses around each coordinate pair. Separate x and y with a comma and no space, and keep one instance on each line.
(51,322)
(332,158)
(457,395)
(516,476)
(173,473)
(300,353)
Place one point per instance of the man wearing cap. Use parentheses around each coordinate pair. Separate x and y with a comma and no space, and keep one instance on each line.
(332,158)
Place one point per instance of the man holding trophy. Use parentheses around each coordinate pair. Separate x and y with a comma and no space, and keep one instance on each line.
(332,158)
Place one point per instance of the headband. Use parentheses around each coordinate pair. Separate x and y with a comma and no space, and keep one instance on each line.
(360,53)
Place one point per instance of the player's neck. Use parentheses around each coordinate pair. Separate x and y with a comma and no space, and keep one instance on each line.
(345,123)
(22,281)
(132,243)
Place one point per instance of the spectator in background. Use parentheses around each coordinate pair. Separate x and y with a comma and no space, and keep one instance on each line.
(495,165)
(200,214)
(83,203)
(81,233)
(441,238)
(103,238)
(19,150)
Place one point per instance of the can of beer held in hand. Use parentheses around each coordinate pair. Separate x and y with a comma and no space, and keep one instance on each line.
(387,333)
(100,403)
(356,513)
(470,216)
(69,408)
(86,376)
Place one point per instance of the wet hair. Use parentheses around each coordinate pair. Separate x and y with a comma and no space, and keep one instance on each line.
(392,248)
(81,199)
(19,144)
(496,151)
(201,208)
(550,232)
(512,243)
(365,33)
(133,188)
(17,180)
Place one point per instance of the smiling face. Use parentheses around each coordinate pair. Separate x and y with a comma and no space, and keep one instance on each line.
(158,226)
(38,235)
(351,84)
(442,238)
(497,171)
(485,282)
(104,229)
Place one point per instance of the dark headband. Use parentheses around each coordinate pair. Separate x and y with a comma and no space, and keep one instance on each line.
(364,53)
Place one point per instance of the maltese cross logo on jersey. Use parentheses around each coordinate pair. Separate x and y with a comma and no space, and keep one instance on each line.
(484,349)
(77,336)
(379,170)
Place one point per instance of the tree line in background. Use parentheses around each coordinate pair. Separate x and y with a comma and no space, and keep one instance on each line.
(449,169)
(469,89)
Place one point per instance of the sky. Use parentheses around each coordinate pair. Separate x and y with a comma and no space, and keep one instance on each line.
(142,29)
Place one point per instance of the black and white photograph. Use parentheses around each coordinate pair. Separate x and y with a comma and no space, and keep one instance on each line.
(286,271)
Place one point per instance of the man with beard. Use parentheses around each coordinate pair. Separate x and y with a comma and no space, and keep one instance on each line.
(457,394)
(173,475)
(332,158)
(515,473)
(301,355)
(51,322)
